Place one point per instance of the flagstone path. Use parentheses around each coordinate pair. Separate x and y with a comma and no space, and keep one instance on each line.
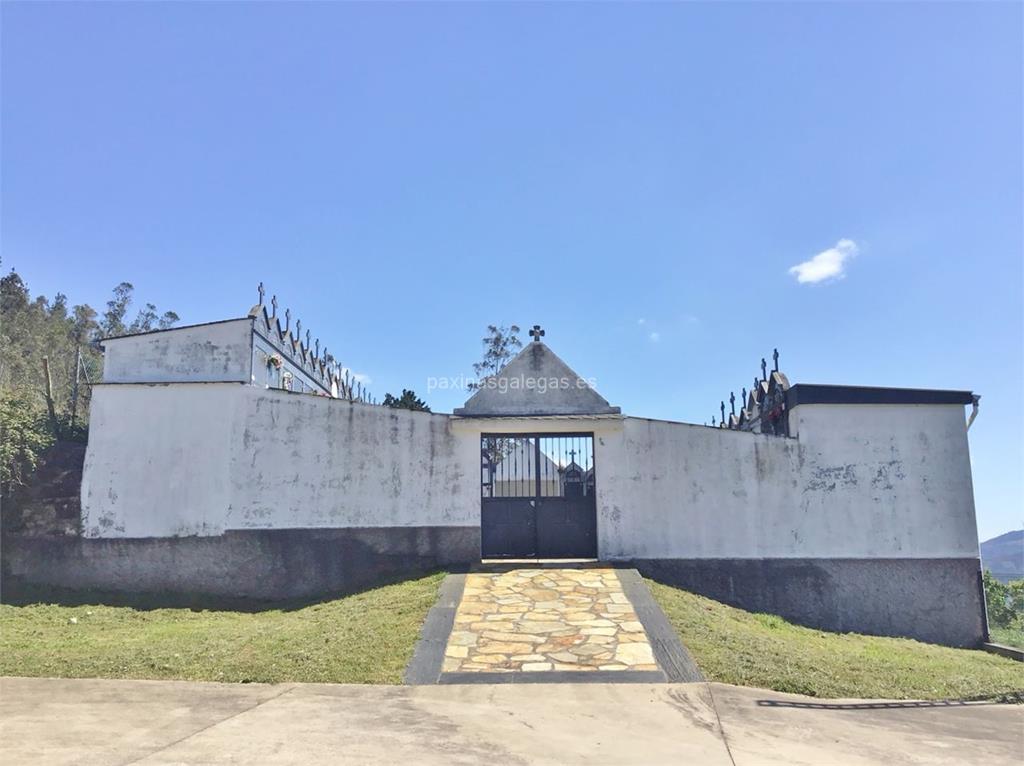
(535,620)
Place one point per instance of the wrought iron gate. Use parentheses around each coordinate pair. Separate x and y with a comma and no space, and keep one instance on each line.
(538,496)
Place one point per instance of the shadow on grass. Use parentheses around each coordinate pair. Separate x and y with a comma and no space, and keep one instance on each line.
(16,592)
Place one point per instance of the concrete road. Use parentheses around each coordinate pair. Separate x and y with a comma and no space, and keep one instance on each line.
(53,721)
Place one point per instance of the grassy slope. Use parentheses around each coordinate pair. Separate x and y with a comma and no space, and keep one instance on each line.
(765,651)
(1007,636)
(364,638)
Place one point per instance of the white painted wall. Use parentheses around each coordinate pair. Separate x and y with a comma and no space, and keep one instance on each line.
(220,351)
(197,459)
(898,477)
(158,460)
(862,481)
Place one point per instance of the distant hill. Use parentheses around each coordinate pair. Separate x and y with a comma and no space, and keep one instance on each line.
(1004,555)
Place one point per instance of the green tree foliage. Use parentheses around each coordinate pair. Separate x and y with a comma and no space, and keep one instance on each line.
(24,434)
(407,401)
(1005,602)
(500,345)
(32,329)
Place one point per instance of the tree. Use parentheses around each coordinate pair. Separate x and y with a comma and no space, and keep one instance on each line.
(407,401)
(500,345)
(24,434)
(117,308)
(1005,602)
(32,329)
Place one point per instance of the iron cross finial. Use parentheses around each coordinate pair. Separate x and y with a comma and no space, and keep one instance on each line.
(732,402)
(262,292)
(273,305)
(764,369)
(775,358)
(536,333)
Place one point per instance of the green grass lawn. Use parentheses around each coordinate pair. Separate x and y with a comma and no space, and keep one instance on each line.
(363,638)
(1007,636)
(738,647)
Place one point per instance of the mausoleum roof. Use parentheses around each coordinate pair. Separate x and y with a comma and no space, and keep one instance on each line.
(536,382)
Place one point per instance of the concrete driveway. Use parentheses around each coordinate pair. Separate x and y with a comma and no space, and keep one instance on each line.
(57,721)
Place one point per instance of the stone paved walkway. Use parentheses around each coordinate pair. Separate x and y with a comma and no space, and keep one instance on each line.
(536,620)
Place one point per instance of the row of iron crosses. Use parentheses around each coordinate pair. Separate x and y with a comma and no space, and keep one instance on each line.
(759,393)
(347,388)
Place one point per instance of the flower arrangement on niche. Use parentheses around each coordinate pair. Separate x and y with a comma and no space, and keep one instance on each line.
(275,361)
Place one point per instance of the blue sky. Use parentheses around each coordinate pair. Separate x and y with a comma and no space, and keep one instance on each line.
(640,179)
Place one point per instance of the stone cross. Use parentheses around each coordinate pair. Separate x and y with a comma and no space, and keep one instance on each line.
(723,412)
(775,358)
(732,402)
(298,328)
(743,397)
(318,349)
(273,305)
(287,319)
(308,333)
(262,292)
(536,333)
(764,369)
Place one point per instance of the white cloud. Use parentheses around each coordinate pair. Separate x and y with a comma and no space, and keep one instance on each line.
(356,377)
(641,321)
(826,265)
(655,337)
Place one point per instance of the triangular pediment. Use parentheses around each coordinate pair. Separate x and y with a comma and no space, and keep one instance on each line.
(536,382)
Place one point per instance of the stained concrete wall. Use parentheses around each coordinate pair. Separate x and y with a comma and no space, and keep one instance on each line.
(861,481)
(219,351)
(198,459)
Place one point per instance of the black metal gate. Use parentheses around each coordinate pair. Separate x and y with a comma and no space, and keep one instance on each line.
(538,496)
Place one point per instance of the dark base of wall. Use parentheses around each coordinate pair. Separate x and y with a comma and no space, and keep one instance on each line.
(252,564)
(933,600)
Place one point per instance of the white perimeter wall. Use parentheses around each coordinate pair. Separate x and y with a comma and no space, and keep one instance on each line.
(862,481)
(197,459)
(221,351)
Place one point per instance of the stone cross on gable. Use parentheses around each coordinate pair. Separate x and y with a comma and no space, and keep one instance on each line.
(732,402)
(308,333)
(287,319)
(273,306)
(298,328)
(723,412)
(262,292)
(764,369)
(536,333)
(775,358)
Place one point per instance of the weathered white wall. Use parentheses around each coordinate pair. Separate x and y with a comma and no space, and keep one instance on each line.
(158,460)
(898,477)
(862,481)
(672,490)
(197,459)
(220,351)
(309,461)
